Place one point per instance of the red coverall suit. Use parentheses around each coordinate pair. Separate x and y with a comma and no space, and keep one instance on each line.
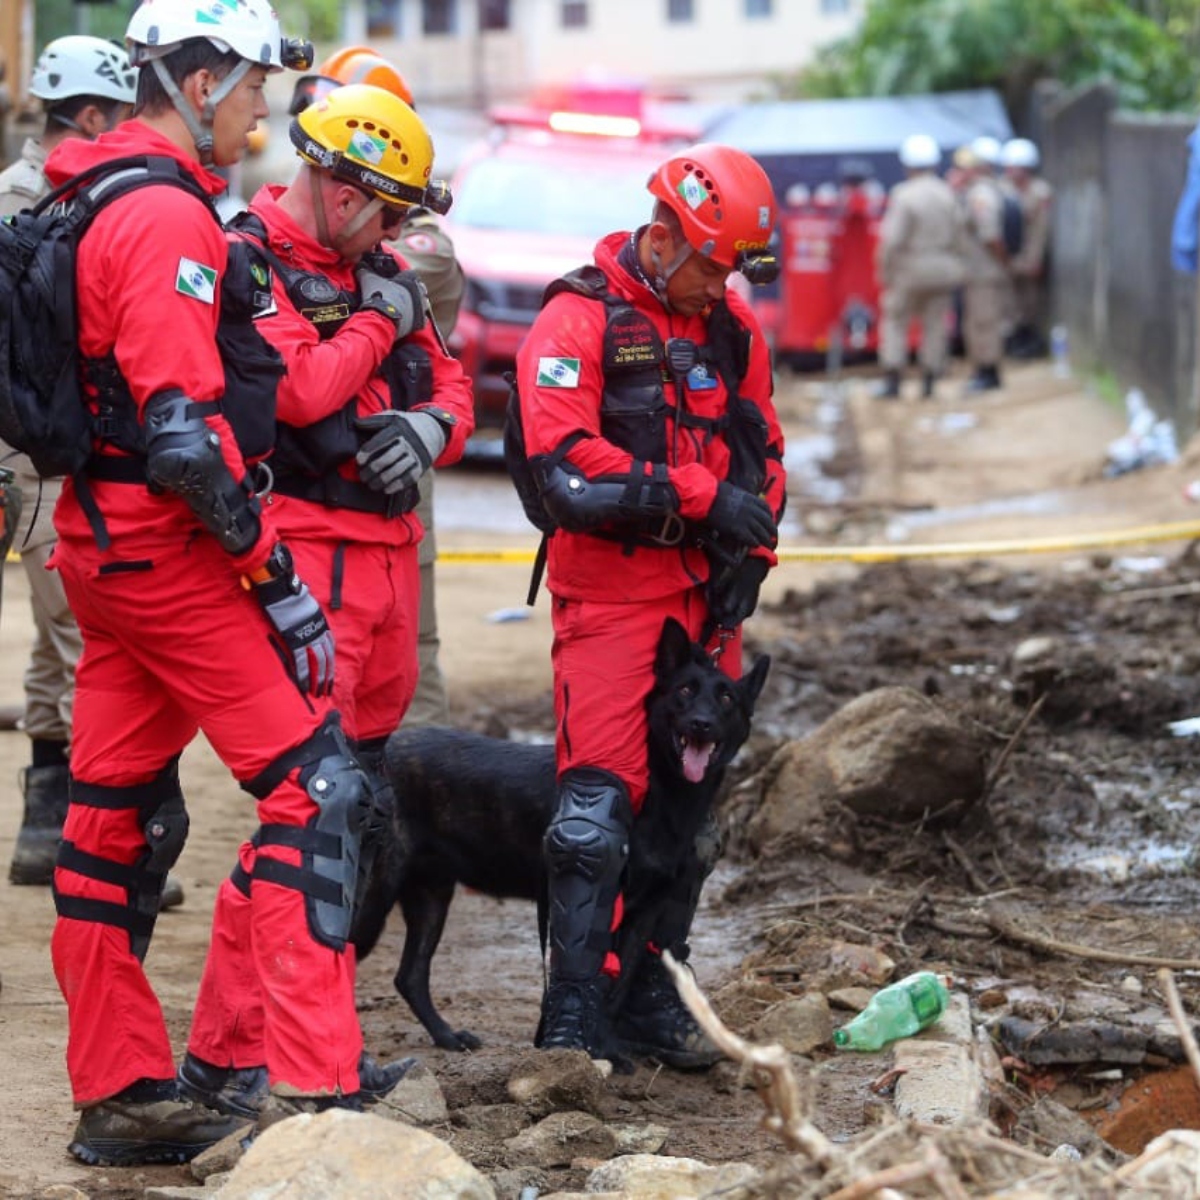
(609,604)
(174,643)
(361,565)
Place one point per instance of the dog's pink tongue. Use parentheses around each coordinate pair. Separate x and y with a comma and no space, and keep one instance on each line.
(695,760)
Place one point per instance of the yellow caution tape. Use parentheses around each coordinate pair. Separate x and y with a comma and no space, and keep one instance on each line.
(1171,532)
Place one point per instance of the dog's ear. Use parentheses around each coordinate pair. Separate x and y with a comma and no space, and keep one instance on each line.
(674,649)
(752,682)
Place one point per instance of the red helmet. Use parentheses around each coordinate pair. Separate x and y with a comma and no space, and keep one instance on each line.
(723,199)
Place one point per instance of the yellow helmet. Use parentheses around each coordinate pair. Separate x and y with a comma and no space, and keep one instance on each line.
(372,139)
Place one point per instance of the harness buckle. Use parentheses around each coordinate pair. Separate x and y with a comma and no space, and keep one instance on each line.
(724,635)
(669,533)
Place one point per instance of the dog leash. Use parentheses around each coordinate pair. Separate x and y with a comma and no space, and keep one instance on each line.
(724,634)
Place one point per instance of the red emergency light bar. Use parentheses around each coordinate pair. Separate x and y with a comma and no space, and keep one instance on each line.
(587,124)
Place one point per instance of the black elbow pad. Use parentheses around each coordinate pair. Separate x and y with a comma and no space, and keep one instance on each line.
(579,504)
(183,455)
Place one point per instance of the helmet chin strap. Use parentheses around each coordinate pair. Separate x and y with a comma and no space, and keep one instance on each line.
(200,127)
(663,272)
(351,227)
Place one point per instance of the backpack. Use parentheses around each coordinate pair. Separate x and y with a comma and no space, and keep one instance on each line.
(42,408)
(1012,225)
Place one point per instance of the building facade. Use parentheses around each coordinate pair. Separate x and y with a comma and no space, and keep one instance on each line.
(479,51)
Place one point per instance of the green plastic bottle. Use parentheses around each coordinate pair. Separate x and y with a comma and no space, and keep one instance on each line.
(899,1010)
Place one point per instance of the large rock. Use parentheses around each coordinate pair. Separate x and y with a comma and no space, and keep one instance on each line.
(891,753)
(341,1155)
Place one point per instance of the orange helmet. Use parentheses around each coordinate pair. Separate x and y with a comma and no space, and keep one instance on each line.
(723,200)
(361,64)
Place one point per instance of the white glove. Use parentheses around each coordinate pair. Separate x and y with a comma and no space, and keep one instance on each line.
(401,447)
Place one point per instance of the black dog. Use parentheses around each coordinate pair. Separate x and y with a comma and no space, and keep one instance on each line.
(473,810)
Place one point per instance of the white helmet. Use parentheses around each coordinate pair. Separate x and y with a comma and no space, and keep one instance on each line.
(919,152)
(1020,152)
(249,28)
(83,66)
(987,150)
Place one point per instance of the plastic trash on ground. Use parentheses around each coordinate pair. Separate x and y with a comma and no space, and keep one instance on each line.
(1148,441)
(898,1010)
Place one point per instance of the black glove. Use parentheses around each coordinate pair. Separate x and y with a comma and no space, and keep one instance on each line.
(742,516)
(401,447)
(301,633)
(733,594)
(401,297)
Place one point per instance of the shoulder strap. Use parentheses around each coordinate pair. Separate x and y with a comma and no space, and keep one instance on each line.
(103,183)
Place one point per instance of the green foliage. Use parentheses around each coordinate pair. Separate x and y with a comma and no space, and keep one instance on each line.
(319,20)
(942,45)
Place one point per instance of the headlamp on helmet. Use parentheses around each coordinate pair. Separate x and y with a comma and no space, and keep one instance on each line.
(372,139)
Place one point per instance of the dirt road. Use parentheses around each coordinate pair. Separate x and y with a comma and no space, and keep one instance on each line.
(1018,464)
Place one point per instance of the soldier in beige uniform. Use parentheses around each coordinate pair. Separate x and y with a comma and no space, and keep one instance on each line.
(427,248)
(986,285)
(86,86)
(1027,267)
(429,251)
(920,263)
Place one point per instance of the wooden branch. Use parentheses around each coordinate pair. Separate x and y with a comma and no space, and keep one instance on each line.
(1012,932)
(932,1165)
(967,863)
(775,1080)
(1167,982)
(994,773)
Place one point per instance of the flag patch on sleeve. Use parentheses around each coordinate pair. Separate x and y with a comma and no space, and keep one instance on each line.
(196,280)
(558,372)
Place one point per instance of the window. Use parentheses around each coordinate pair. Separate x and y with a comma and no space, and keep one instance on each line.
(574,14)
(383,18)
(680,12)
(438,16)
(759,8)
(494,14)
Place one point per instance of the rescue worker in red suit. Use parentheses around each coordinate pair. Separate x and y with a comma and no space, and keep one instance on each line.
(617,566)
(365,409)
(193,618)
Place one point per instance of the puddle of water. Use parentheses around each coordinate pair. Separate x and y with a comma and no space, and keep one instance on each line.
(1038,504)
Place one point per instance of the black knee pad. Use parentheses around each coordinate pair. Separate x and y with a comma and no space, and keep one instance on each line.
(164,821)
(586,847)
(330,844)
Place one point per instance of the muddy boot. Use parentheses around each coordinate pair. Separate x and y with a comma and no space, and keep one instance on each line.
(234,1091)
(149,1122)
(279,1106)
(655,1023)
(574,1017)
(45,792)
(376,1080)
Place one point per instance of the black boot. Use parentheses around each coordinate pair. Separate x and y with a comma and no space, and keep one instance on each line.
(45,792)
(574,1016)
(234,1091)
(985,379)
(891,387)
(652,1021)
(655,1023)
(928,379)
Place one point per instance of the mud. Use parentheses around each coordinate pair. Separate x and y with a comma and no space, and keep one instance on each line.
(1070,670)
